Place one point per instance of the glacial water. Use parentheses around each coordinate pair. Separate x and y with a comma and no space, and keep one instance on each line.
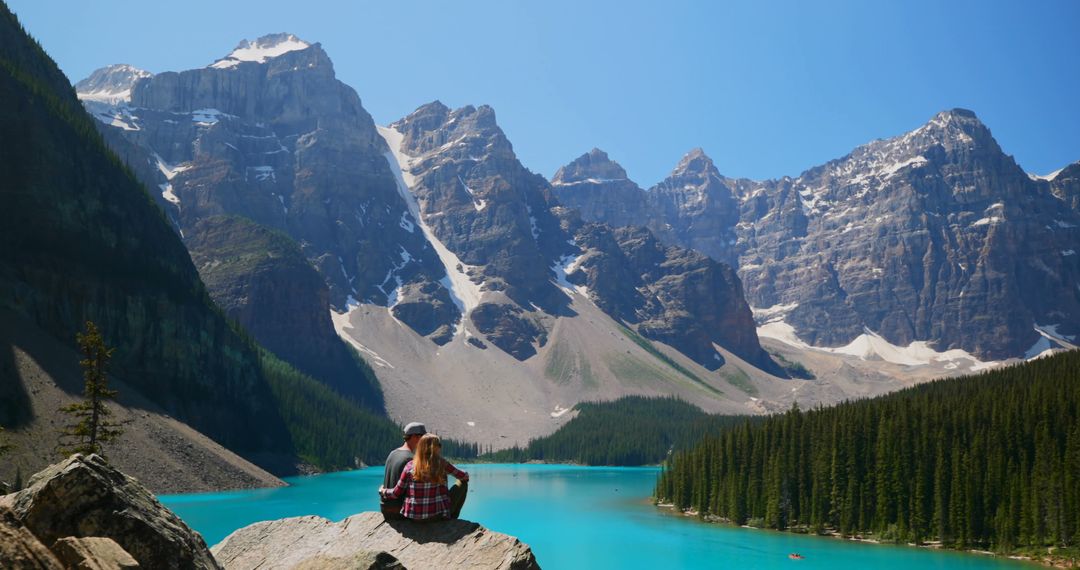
(573,517)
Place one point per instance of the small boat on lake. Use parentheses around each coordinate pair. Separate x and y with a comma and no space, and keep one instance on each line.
(796,556)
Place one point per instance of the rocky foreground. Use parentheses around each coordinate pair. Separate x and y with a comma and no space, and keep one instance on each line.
(83,513)
(314,542)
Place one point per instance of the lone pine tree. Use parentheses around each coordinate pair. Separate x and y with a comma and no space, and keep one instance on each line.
(92,426)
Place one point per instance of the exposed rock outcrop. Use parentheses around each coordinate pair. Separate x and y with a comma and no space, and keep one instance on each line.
(600,190)
(1066,185)
(93,553)
(270,134)
(84,497)
(482,203)
(20,549)
(314,542)
(675,295)
(506,224)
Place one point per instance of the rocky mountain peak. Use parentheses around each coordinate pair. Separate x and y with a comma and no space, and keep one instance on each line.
(434,110)
(951,129)
(467,131)
(261,50)
(695,162)
(593,166)
(111,84)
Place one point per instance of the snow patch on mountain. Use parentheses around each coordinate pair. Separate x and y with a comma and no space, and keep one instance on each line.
(115,116)
(465,294)
(207,117)
(1050,341)
(1046,177)
(587,181)
(565,265)
(478,203)
(169,172)
(772,314)
(867,346)
(110,85)
(1042,347)
(260,50)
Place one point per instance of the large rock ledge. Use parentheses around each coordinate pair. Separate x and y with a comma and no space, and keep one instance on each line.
(85,497)
(314,542)
(83,513)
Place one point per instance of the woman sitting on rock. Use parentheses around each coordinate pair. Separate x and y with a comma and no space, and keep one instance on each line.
(423,483)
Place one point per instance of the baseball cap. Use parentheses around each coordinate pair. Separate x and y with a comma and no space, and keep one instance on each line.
(415,428)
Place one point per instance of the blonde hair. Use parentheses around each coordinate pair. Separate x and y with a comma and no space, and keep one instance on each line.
(428,464)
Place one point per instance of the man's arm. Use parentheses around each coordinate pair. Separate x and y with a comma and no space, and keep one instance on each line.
(398,489)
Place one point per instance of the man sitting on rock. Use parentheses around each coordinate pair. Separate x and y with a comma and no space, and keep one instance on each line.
(395,463)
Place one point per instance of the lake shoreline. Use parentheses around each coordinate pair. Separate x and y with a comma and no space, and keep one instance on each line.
(1049,561)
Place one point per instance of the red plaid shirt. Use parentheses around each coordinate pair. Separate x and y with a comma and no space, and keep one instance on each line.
(423,500)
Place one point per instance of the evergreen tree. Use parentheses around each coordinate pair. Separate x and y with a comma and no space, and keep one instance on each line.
(92,426)
(990,461)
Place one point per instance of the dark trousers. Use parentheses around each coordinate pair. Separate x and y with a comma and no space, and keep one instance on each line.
(458,493)
(391,512)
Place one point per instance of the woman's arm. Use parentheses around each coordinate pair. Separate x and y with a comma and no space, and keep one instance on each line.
(457,473)
(402,484)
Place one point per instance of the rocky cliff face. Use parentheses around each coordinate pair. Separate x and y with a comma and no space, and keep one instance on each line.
(935,235)
(260,278)
(269,133)
(515,242)
(467,240)
(694,207)
(1065,185)
(599,189)
(492,215)
(675,295)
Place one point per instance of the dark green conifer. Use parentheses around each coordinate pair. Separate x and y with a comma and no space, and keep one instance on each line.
(990,461)
(92,425)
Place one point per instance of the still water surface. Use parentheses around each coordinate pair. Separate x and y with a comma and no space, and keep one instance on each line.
(573,517)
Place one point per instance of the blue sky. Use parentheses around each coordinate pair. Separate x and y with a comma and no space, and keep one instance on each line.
(767,88)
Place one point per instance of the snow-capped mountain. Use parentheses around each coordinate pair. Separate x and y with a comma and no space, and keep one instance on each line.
(278,140)
(110,85)
(444,258)
(260,50)
(935,236)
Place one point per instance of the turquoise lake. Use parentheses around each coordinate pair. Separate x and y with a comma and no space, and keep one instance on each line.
(573,517)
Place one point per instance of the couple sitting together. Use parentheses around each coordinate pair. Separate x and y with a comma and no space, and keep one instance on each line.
(414,484)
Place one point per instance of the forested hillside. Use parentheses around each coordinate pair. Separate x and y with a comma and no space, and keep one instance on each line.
(634,430)
(989,461)
(80,239)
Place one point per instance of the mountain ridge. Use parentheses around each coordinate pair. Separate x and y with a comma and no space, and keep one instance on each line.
(777,219)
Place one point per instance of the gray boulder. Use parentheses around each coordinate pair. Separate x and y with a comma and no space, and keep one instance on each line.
(93,553)
(20,549)
(83,496)
(314,542)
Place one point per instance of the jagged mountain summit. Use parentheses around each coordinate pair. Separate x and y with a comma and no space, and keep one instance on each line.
(260,50)
(443,257)
(269,134)
(110,85)
(934,240)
